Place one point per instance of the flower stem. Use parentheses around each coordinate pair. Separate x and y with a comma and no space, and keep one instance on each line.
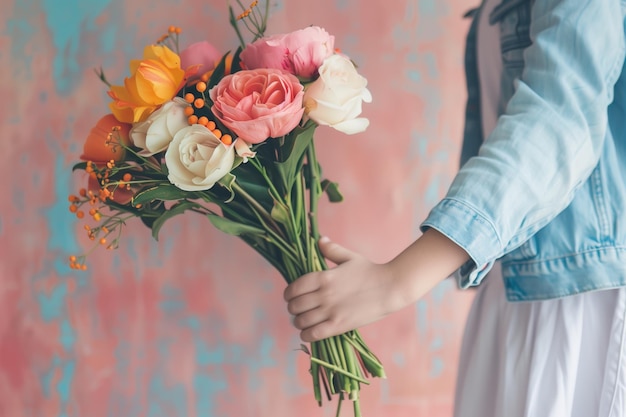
(338,370)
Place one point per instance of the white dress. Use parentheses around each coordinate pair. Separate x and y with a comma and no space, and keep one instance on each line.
(558,358)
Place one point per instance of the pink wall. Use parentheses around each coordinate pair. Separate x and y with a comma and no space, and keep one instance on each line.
(194,325)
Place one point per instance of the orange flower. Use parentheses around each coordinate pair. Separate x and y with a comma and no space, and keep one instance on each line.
(102,143)
(154,80)
(120,195)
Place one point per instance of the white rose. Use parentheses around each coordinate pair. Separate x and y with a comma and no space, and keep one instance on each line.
(155,133)
(335,98)
(196,159)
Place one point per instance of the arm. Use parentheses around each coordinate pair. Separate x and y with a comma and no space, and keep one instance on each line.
(358,292)
(549,139)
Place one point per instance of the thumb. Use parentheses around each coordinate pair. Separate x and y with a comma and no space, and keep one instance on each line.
(335,252)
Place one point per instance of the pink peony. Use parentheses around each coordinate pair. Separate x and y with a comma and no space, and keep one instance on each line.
(201,54)
(300,53)
(258,104)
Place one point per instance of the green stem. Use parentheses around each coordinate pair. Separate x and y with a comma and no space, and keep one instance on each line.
(315,189)
(233,23)
(255,205)
(338,370)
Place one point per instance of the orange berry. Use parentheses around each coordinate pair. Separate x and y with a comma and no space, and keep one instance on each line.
(198,103)
(178,30)
(171,29)
(205,77)
(203,121)
(83,267)
(201,87)
(127,177)
(97,217)
(189,98)
(188,111)
(227,139)
(103,241)
(73,208)
(193,119)
(104,229)
(217,133)
(82,192)
(80,214)
(72,258)
(211,125)
(71,198)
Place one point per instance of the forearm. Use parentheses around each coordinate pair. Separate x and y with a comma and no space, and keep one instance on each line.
(421,266)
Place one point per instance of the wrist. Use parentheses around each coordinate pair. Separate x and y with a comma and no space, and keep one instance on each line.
(429,260)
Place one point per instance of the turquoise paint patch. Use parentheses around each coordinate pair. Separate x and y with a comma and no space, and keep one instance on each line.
(60,221)
(20,30)
(398,359)
(291,386)
(427,7)
(421,308)
(430,60)
(412,75)
(431,195)
(67,336)
(52,306)
(436,367)
(46,381)
(65,383)
(173,301)
(67,19)
(207,388)
(166,400)
(436,344)
(342,4)
(107,39)
(439,292)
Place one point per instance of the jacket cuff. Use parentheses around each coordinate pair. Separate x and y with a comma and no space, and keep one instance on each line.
(470,230)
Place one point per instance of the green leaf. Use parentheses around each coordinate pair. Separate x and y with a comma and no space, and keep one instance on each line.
(253,183)
(80,165)
(162,192)
(292,152)
(332,190)
(175,210)
(236,65)
(280,213)
(218,72)
(227,182)
(233,228)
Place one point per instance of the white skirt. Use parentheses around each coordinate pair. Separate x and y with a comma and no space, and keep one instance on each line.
(556,358)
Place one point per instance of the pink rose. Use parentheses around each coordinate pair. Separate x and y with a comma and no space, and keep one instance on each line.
(201,54)
(300,53)
(258,104)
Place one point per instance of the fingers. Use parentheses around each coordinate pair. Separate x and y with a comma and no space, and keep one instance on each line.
(309,319)
(302,304)
(319,332)
(303,285)
(335,252)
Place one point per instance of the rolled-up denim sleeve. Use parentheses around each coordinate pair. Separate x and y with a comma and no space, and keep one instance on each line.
(549,138)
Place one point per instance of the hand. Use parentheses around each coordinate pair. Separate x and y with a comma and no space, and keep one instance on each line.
(354,293)
(358,291)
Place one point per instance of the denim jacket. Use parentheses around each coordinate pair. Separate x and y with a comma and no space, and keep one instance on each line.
(545,192)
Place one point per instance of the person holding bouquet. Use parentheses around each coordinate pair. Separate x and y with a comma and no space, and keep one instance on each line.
(534,219)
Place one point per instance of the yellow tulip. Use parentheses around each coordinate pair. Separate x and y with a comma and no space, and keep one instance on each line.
(154,80)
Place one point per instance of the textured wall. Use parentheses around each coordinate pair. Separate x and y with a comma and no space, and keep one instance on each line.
(194,325)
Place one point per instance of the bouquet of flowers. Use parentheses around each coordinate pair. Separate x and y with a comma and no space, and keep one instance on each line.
(230,137)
